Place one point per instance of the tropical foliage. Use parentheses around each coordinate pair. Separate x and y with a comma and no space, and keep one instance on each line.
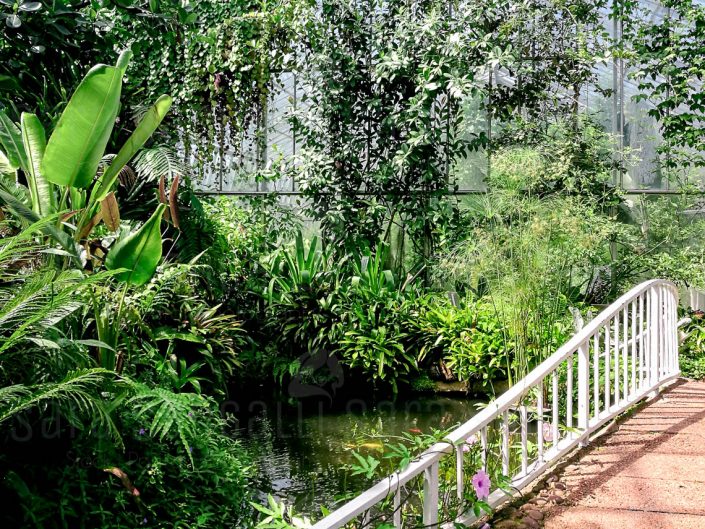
(132,306)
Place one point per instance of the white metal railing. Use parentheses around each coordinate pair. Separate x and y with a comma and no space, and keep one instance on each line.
(627,352)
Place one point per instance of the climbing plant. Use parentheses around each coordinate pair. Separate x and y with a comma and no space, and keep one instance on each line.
(220,60)
(385,84)
(44,52)
(669,68)
(388,84)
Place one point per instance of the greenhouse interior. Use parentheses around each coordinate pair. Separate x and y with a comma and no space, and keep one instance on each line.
(352,263)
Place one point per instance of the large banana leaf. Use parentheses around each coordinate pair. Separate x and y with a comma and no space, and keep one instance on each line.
(141,134)
(34,141)
(11,142)
(140,252)
(77,144)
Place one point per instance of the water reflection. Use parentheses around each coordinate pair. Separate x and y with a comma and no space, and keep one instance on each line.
(300,449)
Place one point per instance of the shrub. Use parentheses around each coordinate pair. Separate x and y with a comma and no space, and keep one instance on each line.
(467,342)
(692,352)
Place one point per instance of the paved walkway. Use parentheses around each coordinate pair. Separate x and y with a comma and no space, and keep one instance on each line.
(649,473)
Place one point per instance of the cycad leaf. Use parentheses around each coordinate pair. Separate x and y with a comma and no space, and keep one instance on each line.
(34,141)
(137,139)
(23,212)
(75,395)
(77,144)
(11,141)
(140,252)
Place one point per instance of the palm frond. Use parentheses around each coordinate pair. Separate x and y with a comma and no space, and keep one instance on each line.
(29,218)
(42,300)
(32,303)
(153,163)
(75,395)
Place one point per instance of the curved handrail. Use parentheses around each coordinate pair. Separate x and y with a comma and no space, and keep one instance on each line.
(504,401)
(646,319)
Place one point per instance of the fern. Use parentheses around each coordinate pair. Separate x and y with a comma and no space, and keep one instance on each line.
(153,163)
(200,232)
(159,295)
(31,305)
(169,413)
(75,395)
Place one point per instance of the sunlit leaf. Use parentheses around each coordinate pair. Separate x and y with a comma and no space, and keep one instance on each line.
(79,140)
(144,130)
(140,252)
(30,6)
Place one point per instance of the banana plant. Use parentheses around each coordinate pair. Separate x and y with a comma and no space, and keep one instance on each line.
(62,173)
(64,182)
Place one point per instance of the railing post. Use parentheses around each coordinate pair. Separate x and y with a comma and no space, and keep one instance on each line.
(397,506)
(584,391)
(430,496)
(673,334)
(583,378)
(676,343)
(654,324)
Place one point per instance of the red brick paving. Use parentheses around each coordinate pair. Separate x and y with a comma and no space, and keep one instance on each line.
(647,474)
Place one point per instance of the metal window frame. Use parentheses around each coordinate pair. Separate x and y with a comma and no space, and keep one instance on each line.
(617,119)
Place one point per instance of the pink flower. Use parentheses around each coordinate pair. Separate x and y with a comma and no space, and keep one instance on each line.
(472,439)
(547,432)
(481,483)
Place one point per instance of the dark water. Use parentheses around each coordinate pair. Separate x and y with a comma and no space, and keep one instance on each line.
(300,449)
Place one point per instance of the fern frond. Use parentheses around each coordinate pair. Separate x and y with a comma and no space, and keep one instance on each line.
(169,413)
(159,295)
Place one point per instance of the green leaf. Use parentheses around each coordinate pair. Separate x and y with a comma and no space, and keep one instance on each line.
(94,343)
(8,83)
(123,60)
(23,212)
(11,142)
(167,333)
(140,252)
(34,140)
(77,144)
(5,166)
(137,139)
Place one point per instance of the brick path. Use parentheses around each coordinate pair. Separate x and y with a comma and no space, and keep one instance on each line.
(649,473)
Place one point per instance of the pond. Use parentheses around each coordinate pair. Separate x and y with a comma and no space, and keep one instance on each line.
(301,449)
